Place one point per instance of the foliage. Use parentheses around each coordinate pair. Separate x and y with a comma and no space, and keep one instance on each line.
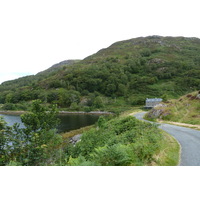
(119,141)
(131,70)
(164,97)
(36,144)
(5,133)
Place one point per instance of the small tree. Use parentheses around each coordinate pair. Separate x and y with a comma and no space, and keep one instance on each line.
(5,133)
(164,97)
(98,103)
(36,143)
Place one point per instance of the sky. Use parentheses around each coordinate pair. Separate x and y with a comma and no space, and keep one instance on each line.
(36,34)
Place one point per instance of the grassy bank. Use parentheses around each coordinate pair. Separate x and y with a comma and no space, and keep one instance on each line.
(10,112)
(169,154)
(184,111)
(72,133)
(119,140)
(123,140)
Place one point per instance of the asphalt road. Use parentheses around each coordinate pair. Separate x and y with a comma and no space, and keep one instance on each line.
(188,138)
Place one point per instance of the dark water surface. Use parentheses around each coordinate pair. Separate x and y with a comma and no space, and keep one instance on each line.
(68,122)
(76,121)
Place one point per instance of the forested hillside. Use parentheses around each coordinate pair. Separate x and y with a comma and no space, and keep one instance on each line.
(126,73)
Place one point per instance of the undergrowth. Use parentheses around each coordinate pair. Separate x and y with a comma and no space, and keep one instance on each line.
(122,141)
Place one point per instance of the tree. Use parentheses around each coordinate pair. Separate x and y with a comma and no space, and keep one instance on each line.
(35,144)
(5,132)
(98,103)
(110,89)
(164,97)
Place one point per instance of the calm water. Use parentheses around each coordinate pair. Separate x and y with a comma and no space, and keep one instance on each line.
(68,122)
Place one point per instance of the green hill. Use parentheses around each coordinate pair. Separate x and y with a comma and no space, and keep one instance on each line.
(32,79)
(122,75)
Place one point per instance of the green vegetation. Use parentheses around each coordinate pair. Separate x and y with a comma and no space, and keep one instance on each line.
(124,141)
(33,145)
(186,109)
(114,79)
(169,153)
(118,141)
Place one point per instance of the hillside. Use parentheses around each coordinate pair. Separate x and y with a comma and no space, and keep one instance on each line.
(57,67)
(31,79)
(122,75)
(186,109)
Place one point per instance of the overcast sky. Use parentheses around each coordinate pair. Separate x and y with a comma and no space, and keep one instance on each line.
(35,34)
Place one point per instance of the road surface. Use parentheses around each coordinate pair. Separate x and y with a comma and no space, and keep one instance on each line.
(189,140)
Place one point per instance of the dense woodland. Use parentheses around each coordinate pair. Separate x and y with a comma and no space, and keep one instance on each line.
(124,74)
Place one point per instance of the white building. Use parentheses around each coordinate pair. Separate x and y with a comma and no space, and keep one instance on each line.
(150,103)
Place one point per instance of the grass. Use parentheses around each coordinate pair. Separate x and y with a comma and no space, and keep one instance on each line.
(185,110)
(195,127)
(132,111)
(169,155)
(72,133)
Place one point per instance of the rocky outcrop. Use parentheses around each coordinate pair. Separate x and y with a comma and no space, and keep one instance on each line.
(158,111)
(198,95)
(75,139)
(154,113)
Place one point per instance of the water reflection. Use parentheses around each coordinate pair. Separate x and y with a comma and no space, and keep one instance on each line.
(68,122)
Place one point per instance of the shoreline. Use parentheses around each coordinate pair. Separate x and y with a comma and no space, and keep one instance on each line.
(4,112)
(86,113)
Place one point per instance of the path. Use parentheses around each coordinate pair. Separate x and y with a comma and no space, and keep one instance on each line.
(189,140)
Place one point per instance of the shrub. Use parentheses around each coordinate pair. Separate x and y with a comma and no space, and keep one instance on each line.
(119,141)
(9,106)
(115,155)
(36,143)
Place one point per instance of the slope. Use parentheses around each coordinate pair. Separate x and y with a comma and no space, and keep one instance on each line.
(124,74)
(186,109)
(28,80)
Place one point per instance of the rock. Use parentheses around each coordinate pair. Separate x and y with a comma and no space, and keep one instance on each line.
(75,139)
(160,105)
(156,61)
(198,96)
(155,113)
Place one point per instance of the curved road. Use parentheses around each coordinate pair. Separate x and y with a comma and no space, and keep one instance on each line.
(189,140)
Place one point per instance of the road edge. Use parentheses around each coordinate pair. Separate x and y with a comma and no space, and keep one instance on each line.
(180,147)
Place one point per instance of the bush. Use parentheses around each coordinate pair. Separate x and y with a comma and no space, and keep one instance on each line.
(115,155)
(9,106)
(134,101)
(74,106)
(117,142)
(36,144)
(87,109)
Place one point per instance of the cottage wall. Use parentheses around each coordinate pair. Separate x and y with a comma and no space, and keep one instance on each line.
(150,103)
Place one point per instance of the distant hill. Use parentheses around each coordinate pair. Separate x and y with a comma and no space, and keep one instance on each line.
(58,66)
(27,80)
(186,109)
(124,74)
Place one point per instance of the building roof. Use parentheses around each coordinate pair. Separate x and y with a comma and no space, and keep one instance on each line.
(154,100)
